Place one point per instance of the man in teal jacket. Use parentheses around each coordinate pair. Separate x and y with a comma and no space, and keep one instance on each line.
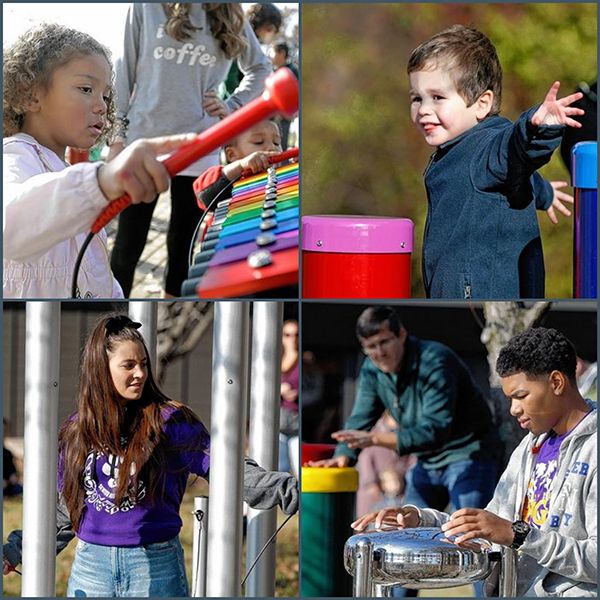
(443,417)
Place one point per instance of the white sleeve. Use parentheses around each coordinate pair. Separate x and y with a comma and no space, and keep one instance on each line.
(42,209)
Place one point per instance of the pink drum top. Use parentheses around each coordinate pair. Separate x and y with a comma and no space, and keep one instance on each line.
(357,234)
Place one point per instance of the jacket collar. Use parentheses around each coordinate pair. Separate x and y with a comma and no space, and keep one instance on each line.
(487,123)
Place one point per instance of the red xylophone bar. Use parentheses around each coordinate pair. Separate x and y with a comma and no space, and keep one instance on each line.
(280,96)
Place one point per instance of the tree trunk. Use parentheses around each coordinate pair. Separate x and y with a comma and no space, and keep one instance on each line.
(503,320)
(181,325)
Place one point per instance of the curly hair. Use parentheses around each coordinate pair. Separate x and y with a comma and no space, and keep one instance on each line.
(470,57)
(537,351)
(30,63)
(226,23)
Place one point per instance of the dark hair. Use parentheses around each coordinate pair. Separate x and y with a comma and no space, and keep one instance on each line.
(470,57)
(537,351)
(101,423)
(226,21)
(373,319)
(282,47)
(260,15)
(31,61)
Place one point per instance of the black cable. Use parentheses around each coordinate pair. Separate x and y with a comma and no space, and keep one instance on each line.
(82,250)
(210,205)
(264,548)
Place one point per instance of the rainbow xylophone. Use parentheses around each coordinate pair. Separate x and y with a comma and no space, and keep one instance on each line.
(251,246)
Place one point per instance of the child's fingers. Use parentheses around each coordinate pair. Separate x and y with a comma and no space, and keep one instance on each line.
(564,197)
(552,92)
(562,208)
(136,185)
(158,174)
(573,123)
(571,98)
(552,215)
(164,144)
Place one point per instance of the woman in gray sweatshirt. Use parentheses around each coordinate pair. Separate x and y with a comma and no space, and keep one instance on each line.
(175,56)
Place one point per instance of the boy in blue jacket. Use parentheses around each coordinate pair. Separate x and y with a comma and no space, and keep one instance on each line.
(481,237)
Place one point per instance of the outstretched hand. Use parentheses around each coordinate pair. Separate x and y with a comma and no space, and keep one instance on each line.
(394,518)
(557,201)
(7,567)
(555,111)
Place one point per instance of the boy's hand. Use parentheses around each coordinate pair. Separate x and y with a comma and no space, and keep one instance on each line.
(354,438)
(395,518)
(337,462)
(469,523)
(214,106)
(136,171)
(558,112)
(557,201)
(7,567)
(257,161)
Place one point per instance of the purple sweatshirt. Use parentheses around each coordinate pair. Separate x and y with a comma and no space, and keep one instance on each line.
(138,521)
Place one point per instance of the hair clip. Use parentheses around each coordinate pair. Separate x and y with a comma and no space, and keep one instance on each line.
(116,324)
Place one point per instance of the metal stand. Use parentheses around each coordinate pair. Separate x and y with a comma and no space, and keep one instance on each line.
(41,448)
(146,313)
(267,322)
(228,420)
(200,546)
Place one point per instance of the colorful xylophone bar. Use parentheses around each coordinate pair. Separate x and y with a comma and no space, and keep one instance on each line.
(251,245)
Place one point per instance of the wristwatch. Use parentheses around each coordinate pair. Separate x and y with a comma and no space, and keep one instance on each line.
(520,529)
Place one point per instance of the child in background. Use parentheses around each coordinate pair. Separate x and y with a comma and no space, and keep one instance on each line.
(58,93)
(250,150)
(481,236)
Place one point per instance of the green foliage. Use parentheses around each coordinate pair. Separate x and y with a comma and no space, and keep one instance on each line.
(361,154)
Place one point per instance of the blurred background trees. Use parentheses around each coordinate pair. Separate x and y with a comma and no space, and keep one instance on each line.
(362,155)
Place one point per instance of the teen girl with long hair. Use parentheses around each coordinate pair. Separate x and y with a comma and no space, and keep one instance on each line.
(124,461)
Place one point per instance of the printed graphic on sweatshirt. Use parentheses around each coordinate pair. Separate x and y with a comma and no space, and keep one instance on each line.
(537,500)
(188,53)
(100,477)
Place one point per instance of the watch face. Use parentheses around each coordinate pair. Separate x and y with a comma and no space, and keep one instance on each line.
(520,527)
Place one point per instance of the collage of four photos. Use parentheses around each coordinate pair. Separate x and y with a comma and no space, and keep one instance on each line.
(299,299)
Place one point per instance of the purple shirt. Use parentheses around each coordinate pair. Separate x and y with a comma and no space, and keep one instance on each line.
(537,499)
(137,521)
(292,377)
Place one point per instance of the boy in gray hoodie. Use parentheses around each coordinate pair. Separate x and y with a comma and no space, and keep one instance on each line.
(545,505)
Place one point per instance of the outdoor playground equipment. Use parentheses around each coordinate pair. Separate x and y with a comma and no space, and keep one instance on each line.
(422,558)
(356,256)
(327,511)
(585,243)
(280,96)
(251,243)
(233,360)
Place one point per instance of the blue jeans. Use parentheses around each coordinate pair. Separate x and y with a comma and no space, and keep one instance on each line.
(142,571)
(463,484)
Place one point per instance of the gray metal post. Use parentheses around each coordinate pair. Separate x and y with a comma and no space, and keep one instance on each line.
(200,546)
(362,585)
(265,391)
(42,360)
(508,574)
(228,421)
(146,313)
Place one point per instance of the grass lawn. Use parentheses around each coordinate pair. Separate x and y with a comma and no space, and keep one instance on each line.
(287,549)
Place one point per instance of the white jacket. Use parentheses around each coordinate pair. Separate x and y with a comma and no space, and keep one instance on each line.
(560,558)
(48,209)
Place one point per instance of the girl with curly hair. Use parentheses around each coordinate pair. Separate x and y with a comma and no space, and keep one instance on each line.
(124,460)
(57,93)
(175,56)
